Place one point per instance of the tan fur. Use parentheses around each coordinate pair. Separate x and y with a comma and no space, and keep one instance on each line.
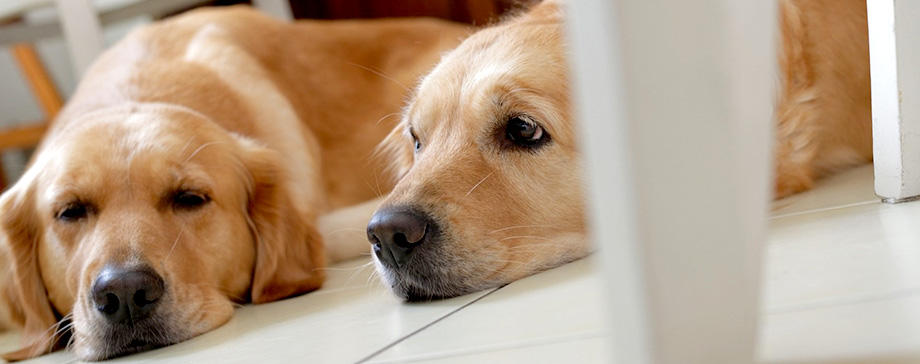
(505,212)
(824,119)
(10,312)
(274,122)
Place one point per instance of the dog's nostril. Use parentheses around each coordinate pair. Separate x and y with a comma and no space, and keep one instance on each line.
(140,298)
(396,232)
(123,295)
(110,304)
(400,239)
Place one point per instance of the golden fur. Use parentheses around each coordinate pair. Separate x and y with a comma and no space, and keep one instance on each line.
(267,124)
(824,118)
(503,212)
(214,103)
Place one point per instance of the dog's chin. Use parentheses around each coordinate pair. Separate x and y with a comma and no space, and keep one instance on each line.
(417,293)
(119,339)
(413,284)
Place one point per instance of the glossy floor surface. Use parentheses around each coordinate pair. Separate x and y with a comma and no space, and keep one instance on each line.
(841,285)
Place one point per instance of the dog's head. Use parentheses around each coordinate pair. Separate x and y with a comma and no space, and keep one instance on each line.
(141,226)
(490,182)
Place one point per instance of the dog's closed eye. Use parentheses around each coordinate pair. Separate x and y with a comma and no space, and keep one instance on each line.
(73,212)
(189,199)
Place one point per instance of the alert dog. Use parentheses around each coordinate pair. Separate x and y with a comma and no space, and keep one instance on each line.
(489,175)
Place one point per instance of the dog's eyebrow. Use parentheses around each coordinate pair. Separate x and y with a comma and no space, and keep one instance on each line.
(190,179)
(61,192)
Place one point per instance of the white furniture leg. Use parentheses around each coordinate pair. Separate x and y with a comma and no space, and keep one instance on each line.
(82,31)
(894,58)
(280,9)
(675,106)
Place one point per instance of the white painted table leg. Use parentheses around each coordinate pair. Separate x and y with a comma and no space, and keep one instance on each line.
(894,58)
(675,101)
(280,9)
(82,31)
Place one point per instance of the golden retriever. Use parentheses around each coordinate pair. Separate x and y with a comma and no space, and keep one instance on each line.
(187,173)
(489,176)
(824,115)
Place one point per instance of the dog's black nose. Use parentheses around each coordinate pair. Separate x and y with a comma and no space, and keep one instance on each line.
(396,232)
(126,294)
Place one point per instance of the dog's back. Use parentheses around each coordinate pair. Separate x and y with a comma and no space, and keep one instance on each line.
(338,85)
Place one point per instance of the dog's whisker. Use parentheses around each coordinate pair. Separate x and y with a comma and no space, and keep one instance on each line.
(371,278)
(381,74)
(199,149)
(358,270)
(520,227)
(478,183)
(376,189)
(56,330)
(173,247)
(187,144)
(377,185)
(546,242)
(387,116)
(362,266)
(342,230)
(524,237)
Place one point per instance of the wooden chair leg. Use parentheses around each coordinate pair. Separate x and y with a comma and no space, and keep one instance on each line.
(49,100)
(38,78)
(2,174)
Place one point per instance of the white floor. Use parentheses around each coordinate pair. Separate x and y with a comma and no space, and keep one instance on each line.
(841,285)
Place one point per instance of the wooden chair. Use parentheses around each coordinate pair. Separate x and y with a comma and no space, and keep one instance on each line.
(81,23)
(45,92)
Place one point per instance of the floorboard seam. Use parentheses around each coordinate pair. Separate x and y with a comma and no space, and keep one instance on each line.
(394,343)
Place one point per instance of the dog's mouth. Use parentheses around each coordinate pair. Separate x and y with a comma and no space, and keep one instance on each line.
(136,346)
(125,339)
(426,276)
(412,251)
(411,290)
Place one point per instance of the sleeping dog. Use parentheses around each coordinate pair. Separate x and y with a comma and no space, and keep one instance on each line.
(489,176)
(187,173)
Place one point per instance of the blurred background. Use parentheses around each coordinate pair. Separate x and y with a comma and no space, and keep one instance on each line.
(37,69)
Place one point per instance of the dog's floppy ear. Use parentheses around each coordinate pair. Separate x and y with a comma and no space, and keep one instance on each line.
(24,290)
(289,250)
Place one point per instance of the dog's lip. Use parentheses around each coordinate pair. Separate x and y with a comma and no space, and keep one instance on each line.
(132,347)
(139,336)
(140,345)
(415,287)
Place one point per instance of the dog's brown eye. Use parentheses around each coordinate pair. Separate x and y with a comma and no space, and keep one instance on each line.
(524,132)
(73,212)
(189,199)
